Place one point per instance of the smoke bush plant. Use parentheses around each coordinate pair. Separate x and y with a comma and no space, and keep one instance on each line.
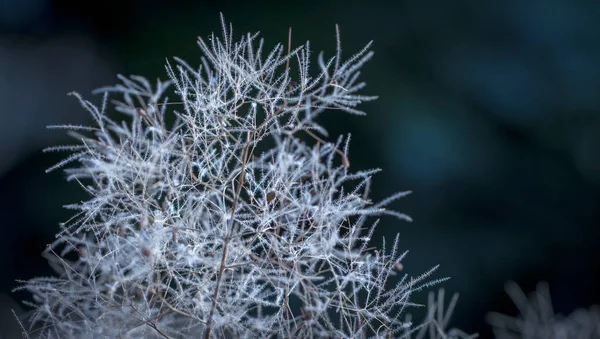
(211,217)
(537,319)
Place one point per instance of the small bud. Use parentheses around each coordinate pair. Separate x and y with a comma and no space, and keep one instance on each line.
(146,252)
(270,196)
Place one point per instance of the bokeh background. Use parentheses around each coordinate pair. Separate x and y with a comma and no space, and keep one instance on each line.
(489,112)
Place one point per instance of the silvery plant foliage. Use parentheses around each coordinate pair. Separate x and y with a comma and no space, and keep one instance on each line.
(217,209)
(537,319)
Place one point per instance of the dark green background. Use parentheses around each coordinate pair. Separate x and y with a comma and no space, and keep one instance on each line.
(489,112)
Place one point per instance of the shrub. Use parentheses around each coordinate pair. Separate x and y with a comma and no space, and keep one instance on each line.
(537,319)
(224,213)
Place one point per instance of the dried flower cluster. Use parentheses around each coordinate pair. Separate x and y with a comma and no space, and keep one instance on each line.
(224,213)
(537,319)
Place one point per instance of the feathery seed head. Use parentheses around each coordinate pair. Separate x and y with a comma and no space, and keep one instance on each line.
(208,216)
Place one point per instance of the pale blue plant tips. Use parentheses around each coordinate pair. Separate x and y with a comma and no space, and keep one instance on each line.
(209,217)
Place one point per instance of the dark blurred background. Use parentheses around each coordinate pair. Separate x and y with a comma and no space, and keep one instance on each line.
(489,112)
